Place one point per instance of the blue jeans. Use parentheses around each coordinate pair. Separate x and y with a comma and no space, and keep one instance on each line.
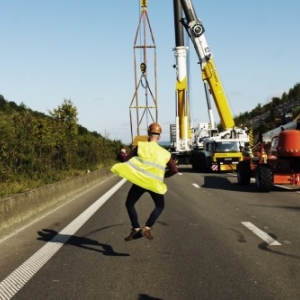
(133,196)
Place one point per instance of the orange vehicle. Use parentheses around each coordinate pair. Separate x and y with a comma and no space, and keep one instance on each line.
(279,165)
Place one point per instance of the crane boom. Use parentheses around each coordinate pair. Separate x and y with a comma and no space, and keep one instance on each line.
(209,71)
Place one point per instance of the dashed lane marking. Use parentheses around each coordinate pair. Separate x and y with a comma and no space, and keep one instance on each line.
(263,235)
(196,185)
(18,278)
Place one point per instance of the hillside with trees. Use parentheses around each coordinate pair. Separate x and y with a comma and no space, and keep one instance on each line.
(38,149)
(277,112)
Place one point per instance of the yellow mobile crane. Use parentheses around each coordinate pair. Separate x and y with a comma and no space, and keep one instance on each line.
(183,137)
(215,151)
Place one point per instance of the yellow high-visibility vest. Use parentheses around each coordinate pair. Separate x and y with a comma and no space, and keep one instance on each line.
(146,170)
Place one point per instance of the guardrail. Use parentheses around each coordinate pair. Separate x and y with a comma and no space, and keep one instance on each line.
(21,209)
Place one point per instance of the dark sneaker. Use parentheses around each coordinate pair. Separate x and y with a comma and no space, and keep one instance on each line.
(134,234)
(147,233)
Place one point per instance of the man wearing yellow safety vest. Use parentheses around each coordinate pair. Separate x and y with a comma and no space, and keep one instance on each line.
(146,166)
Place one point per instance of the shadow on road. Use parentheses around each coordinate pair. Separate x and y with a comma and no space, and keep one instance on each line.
(52,236)
(265,247)
(146,297)
(222,181)
(186,169)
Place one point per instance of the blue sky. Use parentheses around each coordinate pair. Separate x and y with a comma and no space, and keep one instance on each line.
(83,51)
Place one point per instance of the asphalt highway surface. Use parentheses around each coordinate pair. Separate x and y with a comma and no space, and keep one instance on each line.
(214,240)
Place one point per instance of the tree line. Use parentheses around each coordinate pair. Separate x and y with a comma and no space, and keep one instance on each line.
(38,149)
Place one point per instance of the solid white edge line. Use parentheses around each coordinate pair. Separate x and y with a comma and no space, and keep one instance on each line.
(263,235)
(18,278)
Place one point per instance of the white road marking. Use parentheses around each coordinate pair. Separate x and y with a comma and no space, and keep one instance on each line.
(263,235)
(196,185)
(283,187)
(179,173)
(18,278)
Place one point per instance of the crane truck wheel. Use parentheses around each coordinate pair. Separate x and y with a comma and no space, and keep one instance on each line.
(207,164)
(264,178)
(193,166)
(243,173)
(194,162)
(203,162)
